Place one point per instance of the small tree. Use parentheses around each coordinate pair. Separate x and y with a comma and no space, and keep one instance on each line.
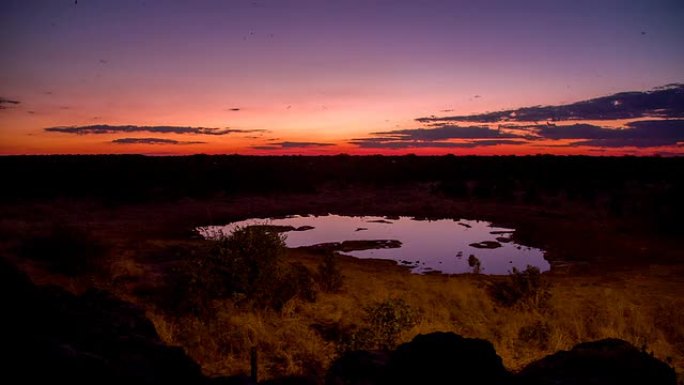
(475,264)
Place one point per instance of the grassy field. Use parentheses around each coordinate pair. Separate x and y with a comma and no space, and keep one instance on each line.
(642,307)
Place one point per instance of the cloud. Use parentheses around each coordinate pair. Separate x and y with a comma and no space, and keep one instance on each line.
(290,145)
(625,142)
(444,132)
(575,131)
(152,141)
(404,144)
(662,102)
(4,103)
(642,134)
(645,133)
(439,137)
(107,129)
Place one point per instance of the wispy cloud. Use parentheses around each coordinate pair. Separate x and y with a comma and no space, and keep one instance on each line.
(441,137)
(291,145)
(152,141)
(107,129)
(5,103)
(446,132)
(662,102)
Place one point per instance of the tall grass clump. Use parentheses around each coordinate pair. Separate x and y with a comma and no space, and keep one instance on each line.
(526,288)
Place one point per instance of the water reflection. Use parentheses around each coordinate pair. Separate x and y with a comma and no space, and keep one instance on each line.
(443,245)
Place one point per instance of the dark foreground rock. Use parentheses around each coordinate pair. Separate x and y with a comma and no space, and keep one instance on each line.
(446,358)
(605,362)
(53,337)
(358,368)
(437,358)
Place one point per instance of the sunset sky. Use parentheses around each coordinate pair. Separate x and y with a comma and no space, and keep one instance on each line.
(329,77)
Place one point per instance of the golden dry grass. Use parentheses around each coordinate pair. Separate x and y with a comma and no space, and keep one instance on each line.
(640,307)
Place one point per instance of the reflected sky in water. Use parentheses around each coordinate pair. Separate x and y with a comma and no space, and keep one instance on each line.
(442,245)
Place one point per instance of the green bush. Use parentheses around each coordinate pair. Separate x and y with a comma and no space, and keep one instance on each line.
(524,288)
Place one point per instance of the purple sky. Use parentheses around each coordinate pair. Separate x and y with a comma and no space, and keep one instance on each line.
(313,71)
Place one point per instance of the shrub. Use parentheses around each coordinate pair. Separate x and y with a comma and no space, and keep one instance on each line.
(293,281)
(246,266)
(247,260)
(330,277)
(385,321)
(527,288)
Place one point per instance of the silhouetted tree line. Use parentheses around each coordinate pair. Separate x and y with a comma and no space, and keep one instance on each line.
(649,188)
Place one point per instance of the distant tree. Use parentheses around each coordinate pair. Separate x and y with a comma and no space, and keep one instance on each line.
(475,264)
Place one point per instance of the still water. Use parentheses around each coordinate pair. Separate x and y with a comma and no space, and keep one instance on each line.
(443,245)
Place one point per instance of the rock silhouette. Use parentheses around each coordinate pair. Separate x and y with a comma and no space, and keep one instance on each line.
(436,358)
(605,362)
(446,358)
(52,336)
(358,368)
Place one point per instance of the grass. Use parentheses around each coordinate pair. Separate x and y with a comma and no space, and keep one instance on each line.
(579,309)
